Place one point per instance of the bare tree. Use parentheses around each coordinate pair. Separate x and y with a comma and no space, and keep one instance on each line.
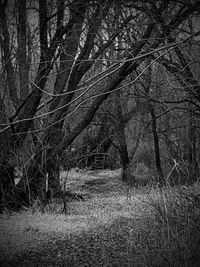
(72,38)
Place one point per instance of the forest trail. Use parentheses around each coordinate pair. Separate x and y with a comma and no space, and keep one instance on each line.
(111,228)
(33,237)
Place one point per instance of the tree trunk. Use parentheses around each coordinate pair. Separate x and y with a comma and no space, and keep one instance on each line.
(22,51)
(7,183)
(121,138)
(7,56)
(123,151)
(6,165)
(157,148)
(193,167)
(52,161)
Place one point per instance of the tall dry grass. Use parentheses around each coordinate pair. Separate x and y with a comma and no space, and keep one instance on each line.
(176,240)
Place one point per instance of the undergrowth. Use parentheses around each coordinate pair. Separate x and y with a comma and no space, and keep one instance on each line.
(114,227)
(177,228)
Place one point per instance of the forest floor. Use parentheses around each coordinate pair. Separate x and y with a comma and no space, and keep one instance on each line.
(115,226)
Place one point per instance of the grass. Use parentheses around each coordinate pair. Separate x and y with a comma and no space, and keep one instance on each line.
(177,217)
(113,227)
